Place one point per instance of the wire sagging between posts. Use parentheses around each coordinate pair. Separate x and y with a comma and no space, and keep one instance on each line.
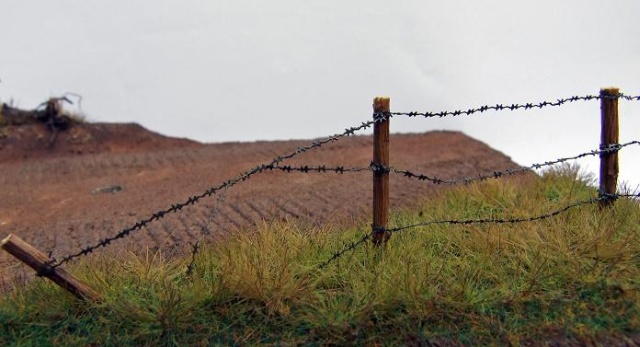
(275,164)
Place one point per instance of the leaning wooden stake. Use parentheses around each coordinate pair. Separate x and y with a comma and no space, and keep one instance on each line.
(381,177)
(609,136)
(37,260)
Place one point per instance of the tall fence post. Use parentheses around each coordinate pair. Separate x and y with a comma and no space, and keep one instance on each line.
(609,136)
(380,224)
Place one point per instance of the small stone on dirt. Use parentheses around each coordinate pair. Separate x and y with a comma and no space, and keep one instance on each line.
(112,189)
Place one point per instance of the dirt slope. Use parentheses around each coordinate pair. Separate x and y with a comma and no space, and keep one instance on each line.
(100,178)
(35,141)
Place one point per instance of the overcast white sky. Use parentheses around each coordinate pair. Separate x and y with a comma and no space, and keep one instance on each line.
(252,70)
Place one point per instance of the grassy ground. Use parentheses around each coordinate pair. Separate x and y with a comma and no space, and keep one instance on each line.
(573,279)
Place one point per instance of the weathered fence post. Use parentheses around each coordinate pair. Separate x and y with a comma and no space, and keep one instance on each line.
(609,136)
(38,261)
(381,117)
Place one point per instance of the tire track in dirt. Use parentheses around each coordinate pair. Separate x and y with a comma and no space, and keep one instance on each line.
(258,211)
(244,213)
(299,208)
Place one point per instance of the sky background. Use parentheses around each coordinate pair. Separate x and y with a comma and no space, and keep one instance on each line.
(242,70)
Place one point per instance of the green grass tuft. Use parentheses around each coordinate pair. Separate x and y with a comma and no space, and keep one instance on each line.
(571,279)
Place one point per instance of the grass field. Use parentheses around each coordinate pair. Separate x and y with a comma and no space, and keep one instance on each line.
(571,280)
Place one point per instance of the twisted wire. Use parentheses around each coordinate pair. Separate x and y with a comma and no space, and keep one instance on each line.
(626,97)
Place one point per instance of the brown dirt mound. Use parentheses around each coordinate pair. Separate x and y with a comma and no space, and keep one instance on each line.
(101,178)
(34,141)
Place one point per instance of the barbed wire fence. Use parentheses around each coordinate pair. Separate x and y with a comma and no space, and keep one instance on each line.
(50,267)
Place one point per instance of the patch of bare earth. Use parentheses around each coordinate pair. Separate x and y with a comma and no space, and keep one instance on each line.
(100,178)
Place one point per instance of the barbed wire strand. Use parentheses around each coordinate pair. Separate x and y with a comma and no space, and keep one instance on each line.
(317,169)
(353,245)
(501,107)
(613,148)
(196,198)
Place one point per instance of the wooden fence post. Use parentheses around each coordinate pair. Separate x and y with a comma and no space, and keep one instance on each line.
(609,136)
(38,261)
(381,177)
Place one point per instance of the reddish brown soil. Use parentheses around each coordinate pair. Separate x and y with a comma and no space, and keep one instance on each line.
(48,197)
